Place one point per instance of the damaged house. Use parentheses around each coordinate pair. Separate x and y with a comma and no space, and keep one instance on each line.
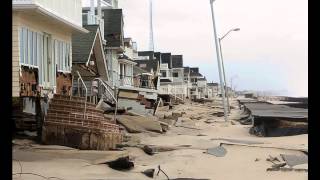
(41,55)
(43,40)
(120,53)
(172,83)
(196,91)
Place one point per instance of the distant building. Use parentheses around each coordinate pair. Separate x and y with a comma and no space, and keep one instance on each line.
(213,90)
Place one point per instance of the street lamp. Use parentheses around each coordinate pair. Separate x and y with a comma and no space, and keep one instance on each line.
(218,59)
(224,74)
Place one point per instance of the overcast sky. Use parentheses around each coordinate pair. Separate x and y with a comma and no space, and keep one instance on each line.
(268,53)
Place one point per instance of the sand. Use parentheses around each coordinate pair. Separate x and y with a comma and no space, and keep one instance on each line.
(188,161)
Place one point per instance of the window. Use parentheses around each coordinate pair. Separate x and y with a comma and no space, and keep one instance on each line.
(62,55)
(163,73)
(29,48)
(175,74)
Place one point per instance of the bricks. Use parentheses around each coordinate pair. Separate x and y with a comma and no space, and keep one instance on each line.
(69,114)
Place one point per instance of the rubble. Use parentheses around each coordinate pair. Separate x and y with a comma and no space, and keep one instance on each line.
(218,151)
(149,172)
(122,163)
(288,163)
(138,124)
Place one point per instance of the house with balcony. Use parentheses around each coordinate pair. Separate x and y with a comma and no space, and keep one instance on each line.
(213,90)
(42,54)
(187,81)
(202,87)
(130,48)
(195,76)
(89,62)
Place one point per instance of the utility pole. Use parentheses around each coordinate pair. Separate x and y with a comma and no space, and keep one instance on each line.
(224,77)
(224,73)
(219,60)
(151,43)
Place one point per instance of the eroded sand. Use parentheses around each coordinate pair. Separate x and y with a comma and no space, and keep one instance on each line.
(189,161)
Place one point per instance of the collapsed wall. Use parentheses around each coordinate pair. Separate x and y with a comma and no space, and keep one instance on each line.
(271,120)
(70,122)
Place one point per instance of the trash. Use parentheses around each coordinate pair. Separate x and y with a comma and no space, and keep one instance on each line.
(273,159)
(293,160)
(149,150)
(218,151)
(160,170)
(218,114)
(279,165)
(287,169)
(138,124)
(122,163)
(149,172)
(176,115)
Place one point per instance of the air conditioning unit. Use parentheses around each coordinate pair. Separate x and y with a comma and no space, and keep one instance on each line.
(91,63)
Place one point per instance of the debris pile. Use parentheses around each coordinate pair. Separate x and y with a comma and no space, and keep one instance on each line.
(66,124)
(289,163)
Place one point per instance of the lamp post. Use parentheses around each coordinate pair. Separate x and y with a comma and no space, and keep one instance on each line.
(218,59)
(224,73)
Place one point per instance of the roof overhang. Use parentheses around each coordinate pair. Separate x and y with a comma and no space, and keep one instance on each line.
(119,49)
(127,61)
(44,11)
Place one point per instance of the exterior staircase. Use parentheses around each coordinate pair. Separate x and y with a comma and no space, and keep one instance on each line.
(74,122)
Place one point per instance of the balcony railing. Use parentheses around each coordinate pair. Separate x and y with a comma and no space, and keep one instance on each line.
(125,80)
(95,20)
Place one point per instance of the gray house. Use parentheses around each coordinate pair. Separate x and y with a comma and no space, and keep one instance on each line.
(88,58)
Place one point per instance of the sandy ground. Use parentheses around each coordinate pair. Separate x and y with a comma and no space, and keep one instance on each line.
(189,161)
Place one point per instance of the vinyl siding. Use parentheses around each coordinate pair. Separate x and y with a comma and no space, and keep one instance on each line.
(34,23)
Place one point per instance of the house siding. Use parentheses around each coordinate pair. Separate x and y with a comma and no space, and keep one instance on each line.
(34,23)
(15,58)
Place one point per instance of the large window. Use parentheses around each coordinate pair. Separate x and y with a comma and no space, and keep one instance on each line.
(30,47)
(62,55)
(175,74)
(163,73)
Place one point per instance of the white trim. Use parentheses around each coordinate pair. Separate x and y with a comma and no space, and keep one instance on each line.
(28,65)
(63,71)
(103,55)
(91,51)
(49,13)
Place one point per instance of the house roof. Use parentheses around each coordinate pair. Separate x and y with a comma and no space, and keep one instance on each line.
(146,53)
(82,44)
(113,24)
(147,64)
(82,70)
(213,84)
(126,59)
(202,79)
(166,58)
(195,72)
(137,70)
(177,61)
(186,70)
(157,55)
(165,80)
